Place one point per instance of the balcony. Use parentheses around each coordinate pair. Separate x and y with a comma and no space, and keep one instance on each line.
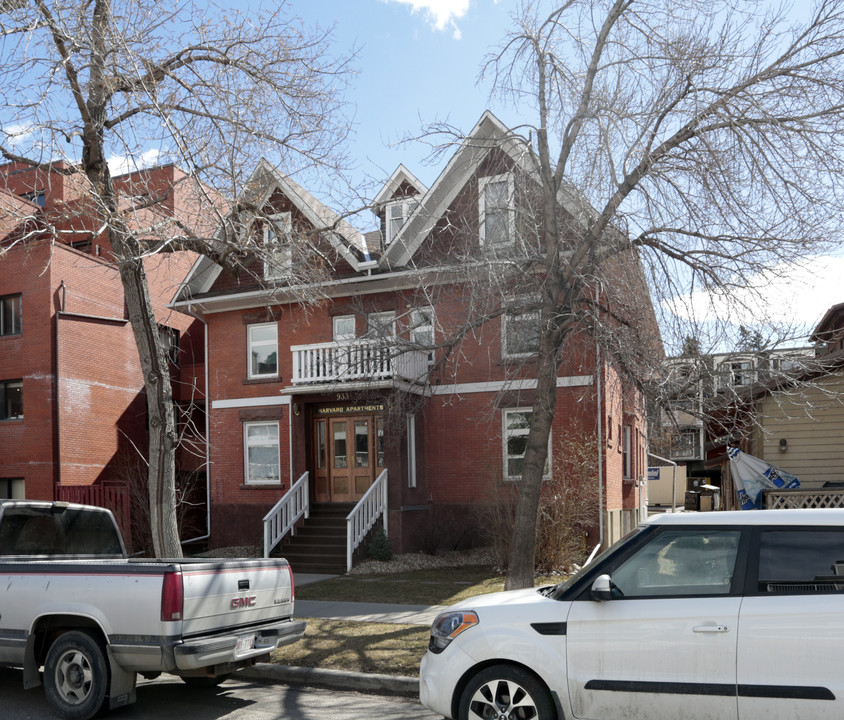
(357,361)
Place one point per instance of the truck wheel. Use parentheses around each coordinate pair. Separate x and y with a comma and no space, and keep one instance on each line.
(506,691)
(76,676)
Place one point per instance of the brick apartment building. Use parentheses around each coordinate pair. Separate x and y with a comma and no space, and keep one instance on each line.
(72,401)
(356,381)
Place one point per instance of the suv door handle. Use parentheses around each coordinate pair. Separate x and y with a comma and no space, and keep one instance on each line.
(710,629)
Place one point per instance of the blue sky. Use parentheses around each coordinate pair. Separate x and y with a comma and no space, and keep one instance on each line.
(418,61)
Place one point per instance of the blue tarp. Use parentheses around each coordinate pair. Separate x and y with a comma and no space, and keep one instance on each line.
(751,476)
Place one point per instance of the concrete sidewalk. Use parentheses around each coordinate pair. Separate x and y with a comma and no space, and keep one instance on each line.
(361,612)
(368,612)
(353,612)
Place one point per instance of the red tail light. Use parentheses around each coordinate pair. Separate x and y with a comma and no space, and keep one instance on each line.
(172,597)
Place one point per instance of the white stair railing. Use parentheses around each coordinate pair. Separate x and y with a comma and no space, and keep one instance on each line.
(365,514)
(282,519)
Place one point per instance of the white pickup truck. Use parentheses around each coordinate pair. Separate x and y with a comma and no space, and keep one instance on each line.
(72,603)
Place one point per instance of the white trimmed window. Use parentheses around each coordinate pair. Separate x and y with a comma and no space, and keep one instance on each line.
(343,328)
(519,334)
(381,324)
(262,454)
(496,212)
(422,330)
(263,350)
(516,423)
(396,214)
(278,261)
(411,451)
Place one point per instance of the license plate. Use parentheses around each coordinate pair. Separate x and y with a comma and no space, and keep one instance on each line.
(244,644)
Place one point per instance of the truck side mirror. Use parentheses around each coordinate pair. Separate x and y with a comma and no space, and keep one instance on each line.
(601,588)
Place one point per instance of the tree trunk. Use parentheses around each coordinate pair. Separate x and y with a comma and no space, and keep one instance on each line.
(162,422)
(520,569)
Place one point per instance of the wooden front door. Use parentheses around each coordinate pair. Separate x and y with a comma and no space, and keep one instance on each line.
(348,454)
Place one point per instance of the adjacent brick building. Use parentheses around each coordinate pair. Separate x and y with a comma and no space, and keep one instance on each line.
(72,401)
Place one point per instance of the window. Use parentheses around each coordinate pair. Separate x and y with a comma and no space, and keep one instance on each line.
(10,315)
(12,489)
(422,330)
(520,334)
(263,350)
(170,343)
(278,262)
(262,453)
(381,325)
(737,373)
(516,429)
(411,451)
(627,452)
(686,443)
(11,400)
(395,215)
(801,561)
(39,197)
(344,328)
(495,210)
(680,563)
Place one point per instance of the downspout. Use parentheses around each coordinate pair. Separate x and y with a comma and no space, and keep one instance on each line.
(207,434)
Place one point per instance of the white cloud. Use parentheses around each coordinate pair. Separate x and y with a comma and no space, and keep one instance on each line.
(18,134)
(794,295)
(441,14)
(121,164)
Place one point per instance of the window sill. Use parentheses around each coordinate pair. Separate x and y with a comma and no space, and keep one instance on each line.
(262,381)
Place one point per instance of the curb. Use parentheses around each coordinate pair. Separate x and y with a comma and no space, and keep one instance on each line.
(333,679)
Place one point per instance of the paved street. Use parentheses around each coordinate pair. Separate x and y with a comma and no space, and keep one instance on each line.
(234,700)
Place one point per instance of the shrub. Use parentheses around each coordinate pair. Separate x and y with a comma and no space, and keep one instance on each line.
(380,547)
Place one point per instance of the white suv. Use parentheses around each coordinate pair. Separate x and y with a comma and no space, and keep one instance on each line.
(733,615)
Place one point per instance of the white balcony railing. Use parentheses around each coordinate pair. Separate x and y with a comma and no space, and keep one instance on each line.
(355,360)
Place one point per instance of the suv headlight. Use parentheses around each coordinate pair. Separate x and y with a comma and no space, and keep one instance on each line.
(448,626)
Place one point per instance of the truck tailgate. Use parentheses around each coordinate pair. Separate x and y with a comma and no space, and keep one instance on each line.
(223,595)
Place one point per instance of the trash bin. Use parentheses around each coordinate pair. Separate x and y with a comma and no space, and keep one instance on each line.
(692,503)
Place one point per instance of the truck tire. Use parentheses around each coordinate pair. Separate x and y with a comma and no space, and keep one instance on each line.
(506,691)
(76,675)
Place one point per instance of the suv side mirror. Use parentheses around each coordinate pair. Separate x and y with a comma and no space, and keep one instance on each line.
(601,588)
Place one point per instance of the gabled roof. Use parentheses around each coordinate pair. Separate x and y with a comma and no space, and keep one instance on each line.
(339,233)
(400,175)
(488,134)
(265,179)
(830,322)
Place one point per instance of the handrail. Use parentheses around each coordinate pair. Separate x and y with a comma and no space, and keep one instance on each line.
(282,519)
(365,514)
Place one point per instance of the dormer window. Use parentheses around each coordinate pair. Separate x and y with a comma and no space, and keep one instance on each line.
(496,214)
(396,214)
(278,259)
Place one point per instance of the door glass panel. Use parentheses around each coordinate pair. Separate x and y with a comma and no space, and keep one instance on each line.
(379,440)
(361,444)
(320,442)
(340,460)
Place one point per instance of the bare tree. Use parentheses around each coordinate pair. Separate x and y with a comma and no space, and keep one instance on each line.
(201,85)
(701,139)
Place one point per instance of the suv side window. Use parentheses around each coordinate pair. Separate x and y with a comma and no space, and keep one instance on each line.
(801,561)
(693,561)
